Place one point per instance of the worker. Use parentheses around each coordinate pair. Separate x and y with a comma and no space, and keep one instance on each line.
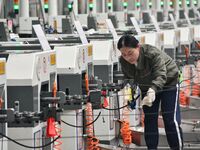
(157,76)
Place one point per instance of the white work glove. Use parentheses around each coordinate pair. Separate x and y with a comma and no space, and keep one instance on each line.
(149,98)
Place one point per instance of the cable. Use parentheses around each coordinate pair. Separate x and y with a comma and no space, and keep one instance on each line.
(26,146)
(115,108)
(148,113)
(120,107)
(187,79)
(156,92)
(118,136)
(2,137)
(166,112)
(84,125)
(100,135)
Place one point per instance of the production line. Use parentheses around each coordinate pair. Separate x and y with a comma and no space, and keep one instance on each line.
(73,95)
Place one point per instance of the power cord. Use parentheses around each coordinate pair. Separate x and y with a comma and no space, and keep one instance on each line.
(118,136)
(26,146)
(115,108)
(2,136)
(84,125)
(119,107)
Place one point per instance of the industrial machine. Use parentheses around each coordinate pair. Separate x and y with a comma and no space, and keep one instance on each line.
(104,61)
(3,100)
(25,21)
(49,113)
(73,63)
(106,68)
(26,87)
(60,23)
(195,46)
(4,30)
(170,42)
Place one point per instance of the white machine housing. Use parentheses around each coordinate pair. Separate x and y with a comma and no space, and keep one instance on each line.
(101,17)
(186,35)
(169,39)
(103,53)
(3,93)
(171,42)
(56,22)
(25,24)
(153,38)
(105,56)
(196,33)
(73,59)
(29,70)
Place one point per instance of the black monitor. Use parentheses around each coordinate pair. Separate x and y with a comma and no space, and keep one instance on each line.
(92,22)
(146,18)
(181,14)
(3,33)
(160,17)
(191,13)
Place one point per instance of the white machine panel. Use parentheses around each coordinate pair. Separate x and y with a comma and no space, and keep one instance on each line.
(29,136)
(4,92)
(29,69)
(185,35)
(68,60)
(153,39)
(103,52)
(82,18)
(56,22)
(72,137)
(197,33)
(169,39)
(105,128)
(25,24)
(101,17)
(73,59)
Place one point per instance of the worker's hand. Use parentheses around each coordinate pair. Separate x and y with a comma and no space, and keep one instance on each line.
(149,98)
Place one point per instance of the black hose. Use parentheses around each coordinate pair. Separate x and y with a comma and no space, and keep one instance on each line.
(26,146)
(84,125)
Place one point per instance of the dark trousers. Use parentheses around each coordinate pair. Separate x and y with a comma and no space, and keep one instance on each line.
(171,116)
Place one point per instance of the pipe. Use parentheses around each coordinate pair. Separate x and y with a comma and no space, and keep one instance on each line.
(24,8)
(53,8)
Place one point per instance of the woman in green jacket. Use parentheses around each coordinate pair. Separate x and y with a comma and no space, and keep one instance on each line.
(157,76)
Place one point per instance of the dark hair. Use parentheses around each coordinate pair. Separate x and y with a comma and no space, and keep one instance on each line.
(127,41)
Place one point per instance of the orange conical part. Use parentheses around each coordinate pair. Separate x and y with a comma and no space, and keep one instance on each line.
(105,102)
(51,130)
(86,83)
(1,103)
(54,89)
